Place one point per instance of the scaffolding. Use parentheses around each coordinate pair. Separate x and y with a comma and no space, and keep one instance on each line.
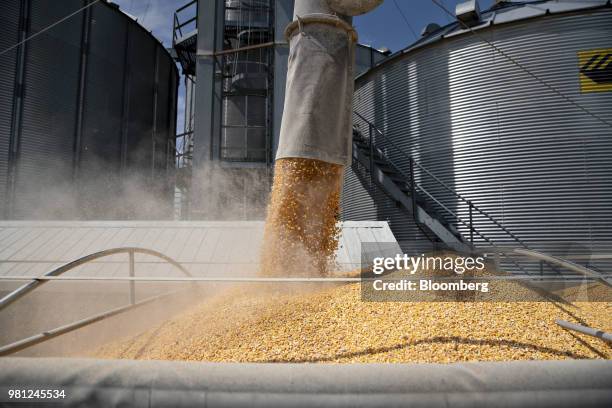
(246,64)
(244,78)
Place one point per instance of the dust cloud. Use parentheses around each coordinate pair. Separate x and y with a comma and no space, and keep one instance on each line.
(301,238)
(96,189)
(220,193)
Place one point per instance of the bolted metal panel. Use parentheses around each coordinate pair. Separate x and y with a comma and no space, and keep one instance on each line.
(51,79)
(531,159)
(9,36)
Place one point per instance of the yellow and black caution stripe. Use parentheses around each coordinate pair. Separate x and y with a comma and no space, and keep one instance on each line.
(595,70)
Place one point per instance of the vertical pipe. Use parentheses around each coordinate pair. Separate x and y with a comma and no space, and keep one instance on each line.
(153,147)
(172,122)
(86,31)
(17,115)
(217,85)
(155,102)
(246,127)
(125,113)
(471,223)
(413,192)
(132,283)
(413,198)
(270,53)
(371,153)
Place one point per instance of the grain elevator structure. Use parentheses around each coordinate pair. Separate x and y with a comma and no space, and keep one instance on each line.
(234,57)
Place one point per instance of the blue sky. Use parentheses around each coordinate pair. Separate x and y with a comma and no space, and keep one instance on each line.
(385,26)
(392,25)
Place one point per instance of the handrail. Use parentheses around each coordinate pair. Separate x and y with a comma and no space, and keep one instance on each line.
(178,25)
(178,10)
(36,283)
(257,280)
(403,153)
(58,331)
(526,251)
(564,263)
(440,182)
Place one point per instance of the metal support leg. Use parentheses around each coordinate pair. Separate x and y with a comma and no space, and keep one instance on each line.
(132,283)
(413,190)
(371,155)
(471,224)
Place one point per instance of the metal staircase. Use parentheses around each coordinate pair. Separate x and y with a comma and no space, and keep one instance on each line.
(401,188)
(434,217)
(185,36)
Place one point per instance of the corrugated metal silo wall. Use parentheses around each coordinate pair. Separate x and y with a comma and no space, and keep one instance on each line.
(99,111)
(100,145)
(141,62)
(51,80)
(535,162)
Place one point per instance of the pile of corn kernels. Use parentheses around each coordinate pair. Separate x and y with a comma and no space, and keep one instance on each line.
(333,324)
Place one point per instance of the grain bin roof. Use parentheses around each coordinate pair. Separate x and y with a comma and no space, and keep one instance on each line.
(501,13)
(136,23)
(30,248)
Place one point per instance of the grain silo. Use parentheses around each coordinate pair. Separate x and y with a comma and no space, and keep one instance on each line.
(87,113)
(511,110)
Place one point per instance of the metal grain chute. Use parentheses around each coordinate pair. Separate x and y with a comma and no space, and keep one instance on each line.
(317,118)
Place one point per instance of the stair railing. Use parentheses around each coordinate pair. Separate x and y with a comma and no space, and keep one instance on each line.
(179,22)
(416,187)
